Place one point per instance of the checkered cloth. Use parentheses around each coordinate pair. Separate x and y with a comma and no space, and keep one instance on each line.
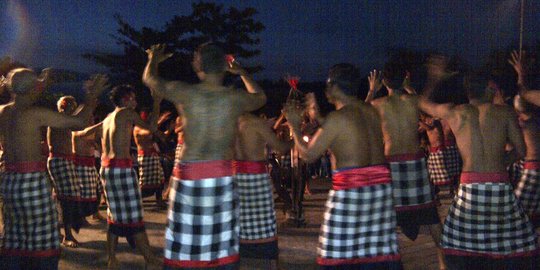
(150,171)
(202,226)
(528,189)
(515,170)
(64,177)
(359,224)
(30,217)
(90,184)
(178,152)
(438,175)
(453,161)
(257,215)
(410,181)
(123,197)
(487,220)
(286,160)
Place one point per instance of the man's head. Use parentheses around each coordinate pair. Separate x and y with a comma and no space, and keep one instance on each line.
(21,81)
(343,78)
(123,96)
(209,58)
(393,75)
(478,88)
(67,105)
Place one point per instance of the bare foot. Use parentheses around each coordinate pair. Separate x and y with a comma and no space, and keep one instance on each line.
(71,243)
(113,263)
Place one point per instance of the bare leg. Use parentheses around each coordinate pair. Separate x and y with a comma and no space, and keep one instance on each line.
(112,242)
(436,230)
(141,242)
(69,239)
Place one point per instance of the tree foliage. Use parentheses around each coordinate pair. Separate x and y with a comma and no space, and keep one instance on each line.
(235,29)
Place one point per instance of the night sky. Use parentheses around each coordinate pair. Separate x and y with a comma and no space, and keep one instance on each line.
(301,37)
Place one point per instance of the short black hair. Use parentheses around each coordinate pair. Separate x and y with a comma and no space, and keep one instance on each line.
(393,75)
(347,77)
(212,58)
(476,86)
(119,92)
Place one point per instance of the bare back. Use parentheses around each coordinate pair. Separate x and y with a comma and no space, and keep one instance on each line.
(355,136)
(84,145)
(143,139)
(530,126)
(253,135)
(399,116)
(21,130)
(117,131)
(482,132)
(59,141)
(210,118)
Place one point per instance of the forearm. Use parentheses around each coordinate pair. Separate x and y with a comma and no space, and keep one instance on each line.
(370,96)
(531,96)
(150,75)
(251,85)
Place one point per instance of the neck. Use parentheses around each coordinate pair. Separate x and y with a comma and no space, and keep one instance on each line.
(213,79)
(342,102)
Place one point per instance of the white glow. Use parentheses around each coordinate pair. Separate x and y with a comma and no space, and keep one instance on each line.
(306,138)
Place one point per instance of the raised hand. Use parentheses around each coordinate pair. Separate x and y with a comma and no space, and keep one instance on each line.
(515,60)
(157,53)
(374,79)
(235,68)
(96,85)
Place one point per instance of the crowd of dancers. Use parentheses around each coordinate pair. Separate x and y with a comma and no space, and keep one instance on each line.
(220,203)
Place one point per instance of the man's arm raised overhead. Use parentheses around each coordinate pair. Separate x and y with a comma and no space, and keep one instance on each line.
(169,90)
(255,96)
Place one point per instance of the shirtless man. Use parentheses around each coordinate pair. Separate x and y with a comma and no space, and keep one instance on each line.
(122,192)
(360,207)
(415,205)
(63,173)
(258,235)
(438,174)
(151,176)
(528,188)
(203,182)
(28,205)
(84,146)
(486,227)
(452,158)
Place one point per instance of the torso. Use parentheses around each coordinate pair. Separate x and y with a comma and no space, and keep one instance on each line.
(143,139)
(84,146)
(59,141)
(399,115)
(116,137)
(531,134)
(250,145)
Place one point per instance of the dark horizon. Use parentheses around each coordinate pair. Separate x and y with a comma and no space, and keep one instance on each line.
(300,38)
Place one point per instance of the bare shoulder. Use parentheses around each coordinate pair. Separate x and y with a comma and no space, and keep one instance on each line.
(379,101)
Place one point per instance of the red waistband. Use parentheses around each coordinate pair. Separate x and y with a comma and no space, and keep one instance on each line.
(59,155)
(436,148)
(84,161)
(26,167)
(203,169)
(148,152)
(180,140)
(202,264)
(116,163)
(376,259)
(361,177)
(28,253)
(254,167)
(483,177)
(531,165)
(404,157)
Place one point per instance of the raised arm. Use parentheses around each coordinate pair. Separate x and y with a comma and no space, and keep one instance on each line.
(375,85)
(89,130)
(313,108)
(256,97)
(321,140)
(531,96)
(167,89)
(93,88)
(515,136)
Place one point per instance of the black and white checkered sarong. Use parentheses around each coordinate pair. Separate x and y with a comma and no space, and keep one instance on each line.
(178,152)
(257,215)
(90,184)
(124,201)
(203,213)
(64,177)
(410,182)
(438,175)
(150,172)
(452,160)
(528,189)
(30,217)
(359,224)
(515,170)
(486,219)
